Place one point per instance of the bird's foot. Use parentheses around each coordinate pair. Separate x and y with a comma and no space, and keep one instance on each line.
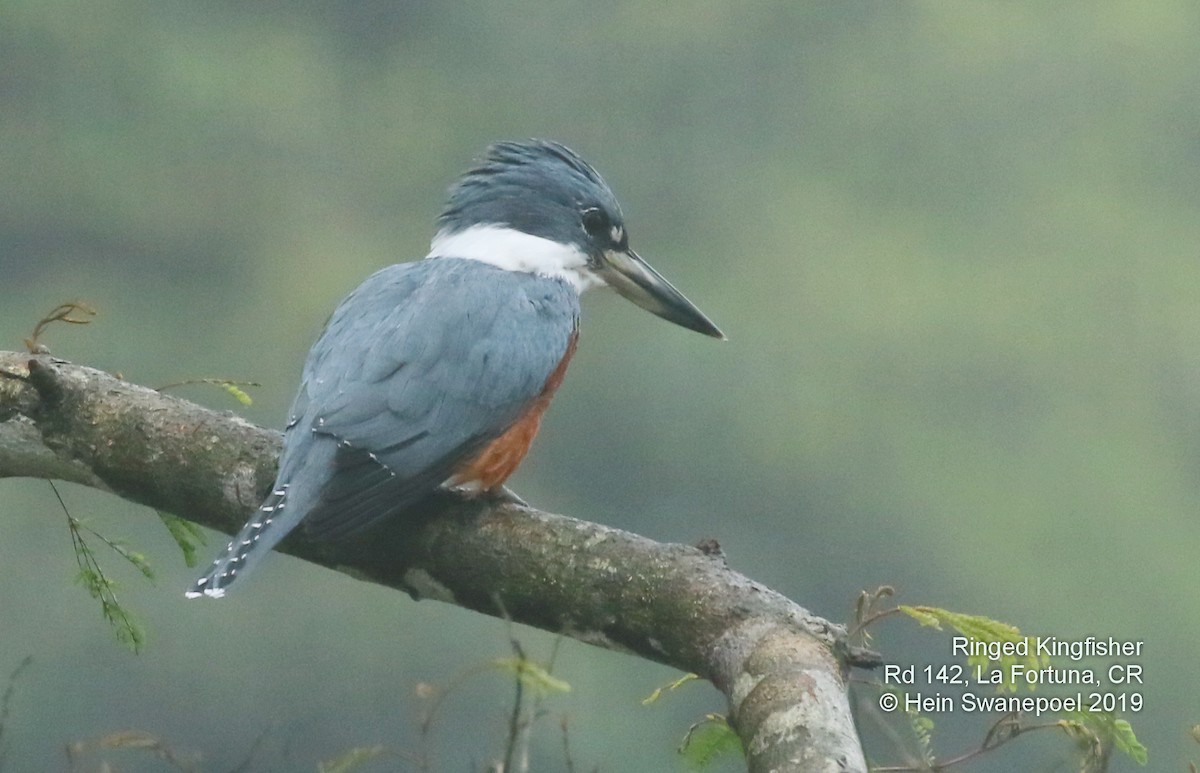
(503,495)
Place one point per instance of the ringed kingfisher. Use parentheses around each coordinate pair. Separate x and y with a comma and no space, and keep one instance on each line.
(434,375)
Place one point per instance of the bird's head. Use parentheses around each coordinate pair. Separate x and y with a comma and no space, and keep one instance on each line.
(538,207)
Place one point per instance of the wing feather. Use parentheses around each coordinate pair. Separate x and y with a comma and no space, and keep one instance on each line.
(416,371)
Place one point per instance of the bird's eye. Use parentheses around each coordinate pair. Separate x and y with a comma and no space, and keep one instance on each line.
(595,223)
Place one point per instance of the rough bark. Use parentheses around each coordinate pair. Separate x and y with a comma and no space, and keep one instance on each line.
(674,604)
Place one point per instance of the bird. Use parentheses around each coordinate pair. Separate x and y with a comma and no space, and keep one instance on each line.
(433,375)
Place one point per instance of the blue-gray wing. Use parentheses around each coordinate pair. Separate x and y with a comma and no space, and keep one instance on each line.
(417,370)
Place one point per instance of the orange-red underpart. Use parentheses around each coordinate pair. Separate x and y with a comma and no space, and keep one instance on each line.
(503,456)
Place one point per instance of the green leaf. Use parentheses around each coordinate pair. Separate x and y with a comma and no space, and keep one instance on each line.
(237,393)
(128,631)
(232,387)
(919,614)
(1126,741)
(91,581)
(532,675)
(134,557)
(187,535)
(658,691)
(708,741)
(1093,730)
(922,727)
(988,631)
(126,627)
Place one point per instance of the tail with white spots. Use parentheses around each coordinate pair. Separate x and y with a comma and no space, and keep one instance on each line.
(255,540)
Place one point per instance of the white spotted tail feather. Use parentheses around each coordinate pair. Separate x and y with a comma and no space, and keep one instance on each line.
(251,543)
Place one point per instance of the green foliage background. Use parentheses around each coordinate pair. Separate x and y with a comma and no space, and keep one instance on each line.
(954,245)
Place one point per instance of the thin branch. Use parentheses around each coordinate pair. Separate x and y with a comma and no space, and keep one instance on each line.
(98,584)
(60,313)
(514,718)
(568,760)
(6,702)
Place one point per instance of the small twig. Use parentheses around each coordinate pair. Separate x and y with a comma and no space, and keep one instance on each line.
(60,313)
(229,385)
(244,765)
(6,700)
(426,727)
(515,724)
(1003,730)
(514,720)
(566,744)
(457,681)
(871,711)
(520,727)
(129,739)
(97,583)
(1010,723)
(519,724)
(865,614)
(210,381)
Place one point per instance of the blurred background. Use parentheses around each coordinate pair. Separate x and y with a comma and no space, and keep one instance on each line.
(953,244)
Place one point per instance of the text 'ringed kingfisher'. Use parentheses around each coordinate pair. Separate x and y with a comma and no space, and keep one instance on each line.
(435,374)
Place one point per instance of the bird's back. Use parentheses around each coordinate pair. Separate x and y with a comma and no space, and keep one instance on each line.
(416,372)
(420,367)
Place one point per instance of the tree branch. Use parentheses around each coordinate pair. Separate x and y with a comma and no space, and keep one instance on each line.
(674,604)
